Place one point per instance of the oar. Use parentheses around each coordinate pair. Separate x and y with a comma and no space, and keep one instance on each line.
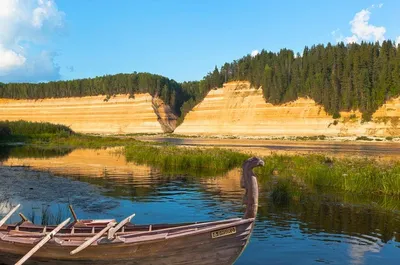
(4,220)
(114,230)
(42,242)
(73,213)
(91,240)
(23,217)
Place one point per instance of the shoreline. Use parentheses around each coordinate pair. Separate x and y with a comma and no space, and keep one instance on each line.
(316,138)
(378,150)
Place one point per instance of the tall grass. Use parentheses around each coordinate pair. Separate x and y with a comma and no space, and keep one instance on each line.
(35,128)
(359,175)
(281,193)
(54,135)
(47,215)
(24,131)
(195,161)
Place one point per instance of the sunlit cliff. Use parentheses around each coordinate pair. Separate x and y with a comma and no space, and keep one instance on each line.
(239,109)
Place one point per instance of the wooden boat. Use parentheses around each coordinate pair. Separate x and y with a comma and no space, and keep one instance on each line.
(106,242)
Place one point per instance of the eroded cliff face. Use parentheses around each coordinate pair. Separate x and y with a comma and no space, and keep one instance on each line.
(239,109)
(385,121)
(95,114)
(235,109)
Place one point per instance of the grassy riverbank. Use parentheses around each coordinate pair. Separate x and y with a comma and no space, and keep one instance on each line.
(359,175)
(184,160)
(351,174)
(54,135)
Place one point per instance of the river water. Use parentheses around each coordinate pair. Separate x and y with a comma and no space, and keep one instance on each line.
(322,228)
(387,150)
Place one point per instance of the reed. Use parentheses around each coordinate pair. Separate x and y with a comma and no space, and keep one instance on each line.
(48,215)
(359,175)
(281,193)
(184,160)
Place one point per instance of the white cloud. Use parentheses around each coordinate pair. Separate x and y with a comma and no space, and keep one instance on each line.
(10,59)
(398,40)
(254,53)
(39,68)
(47,11)
(25,29)
(351,39)
(337,35)
(361,28)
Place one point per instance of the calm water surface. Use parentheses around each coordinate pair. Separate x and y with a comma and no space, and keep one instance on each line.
(321,228)
(390,150)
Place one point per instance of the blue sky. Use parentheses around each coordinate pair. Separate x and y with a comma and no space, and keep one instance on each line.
(183,40)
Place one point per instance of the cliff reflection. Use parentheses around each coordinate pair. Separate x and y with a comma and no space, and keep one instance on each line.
(321,215)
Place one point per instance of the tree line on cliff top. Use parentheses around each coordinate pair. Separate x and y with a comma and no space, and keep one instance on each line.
(339,77)
(167,89)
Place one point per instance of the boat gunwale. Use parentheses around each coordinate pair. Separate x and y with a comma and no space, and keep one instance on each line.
(131,236)
(176,226)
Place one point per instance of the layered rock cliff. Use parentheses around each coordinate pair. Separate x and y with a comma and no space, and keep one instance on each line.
(239,109)
(235,109)
(95,114)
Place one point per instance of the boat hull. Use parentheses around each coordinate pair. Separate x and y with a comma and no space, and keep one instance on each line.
(221,245)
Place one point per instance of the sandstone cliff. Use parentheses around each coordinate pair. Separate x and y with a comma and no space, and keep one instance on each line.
(95,114)
(238,109)
(235,109)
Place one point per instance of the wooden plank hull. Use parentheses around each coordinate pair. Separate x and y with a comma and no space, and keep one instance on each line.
(202,247)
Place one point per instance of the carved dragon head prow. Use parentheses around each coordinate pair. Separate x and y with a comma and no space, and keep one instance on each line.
(248,182)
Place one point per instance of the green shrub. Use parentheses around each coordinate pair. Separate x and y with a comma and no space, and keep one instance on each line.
(364,138)
(35,128)
(4,130)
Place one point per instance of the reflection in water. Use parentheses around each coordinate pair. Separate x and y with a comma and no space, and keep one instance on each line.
(327,228)
(5,207)
(88,162)
(358,251)
(31,152)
